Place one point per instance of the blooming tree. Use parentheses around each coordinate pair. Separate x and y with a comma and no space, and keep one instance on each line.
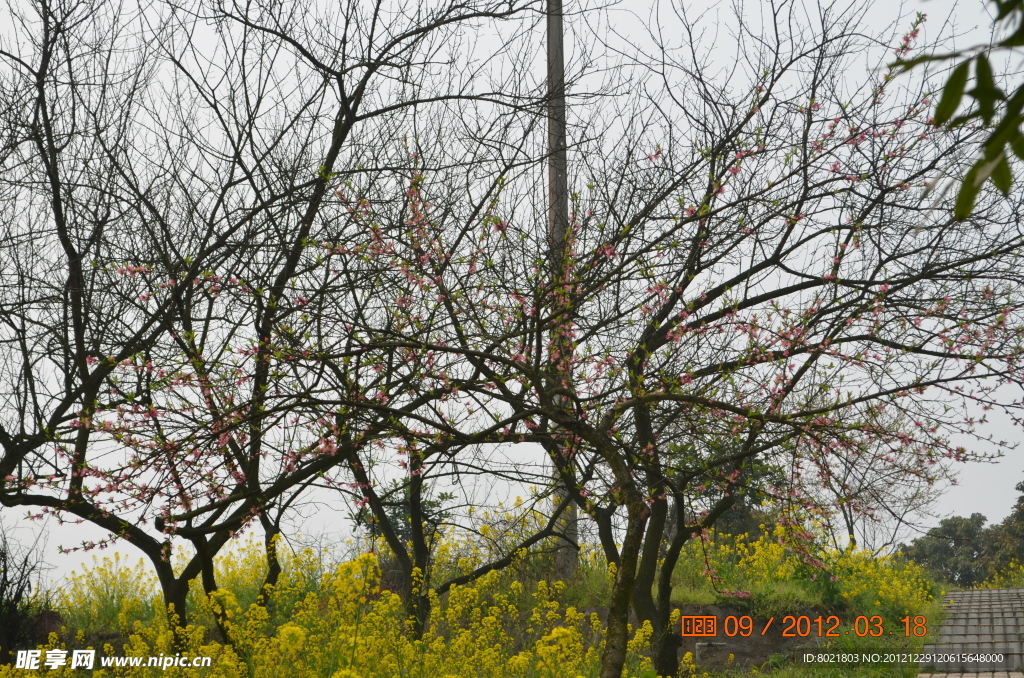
(159,197)
(753,280)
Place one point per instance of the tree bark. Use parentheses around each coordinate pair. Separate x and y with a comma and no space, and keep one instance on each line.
(175,590)
(617,638)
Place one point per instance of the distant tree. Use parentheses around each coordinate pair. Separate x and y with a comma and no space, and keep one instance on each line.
(953,551)
(1004,542)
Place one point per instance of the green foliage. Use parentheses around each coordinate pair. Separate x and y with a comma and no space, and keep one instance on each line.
(243,571)
(773,577)
(1004,544)
(964,553)
(1000,112)
(953,550)
(348,627)
(337,620)
(103,601)
(499,533)
(397,506)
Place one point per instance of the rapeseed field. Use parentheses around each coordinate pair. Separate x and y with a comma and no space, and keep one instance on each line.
(339,620)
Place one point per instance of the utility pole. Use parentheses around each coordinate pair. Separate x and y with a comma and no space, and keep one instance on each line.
(566,555)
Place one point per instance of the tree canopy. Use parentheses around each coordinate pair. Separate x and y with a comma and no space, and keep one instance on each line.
(965,553)
(311,255)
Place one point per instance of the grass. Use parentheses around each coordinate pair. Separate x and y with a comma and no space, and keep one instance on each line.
(772,577)
(769,576)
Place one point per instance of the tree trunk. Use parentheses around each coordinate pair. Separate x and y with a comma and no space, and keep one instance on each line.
(418,606)
(666,639)
(617,638)
(657,613)
(271,532)
(209,580)
(174,590)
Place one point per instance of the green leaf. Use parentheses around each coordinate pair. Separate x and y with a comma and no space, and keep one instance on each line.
(983,70)
(985,91)
(1008,7)
(1017,144)
(952,93)
(1001,175)
(1016,39)
(985,167)
(968,193)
